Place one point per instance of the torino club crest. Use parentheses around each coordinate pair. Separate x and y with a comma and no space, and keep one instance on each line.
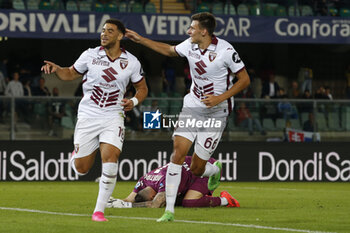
(212,56)
(123,64)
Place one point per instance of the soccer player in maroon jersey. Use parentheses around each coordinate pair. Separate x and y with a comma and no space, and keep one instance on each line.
(193,191)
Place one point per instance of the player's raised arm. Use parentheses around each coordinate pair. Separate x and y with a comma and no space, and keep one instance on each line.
(63,73)
(162,48)
(242,83)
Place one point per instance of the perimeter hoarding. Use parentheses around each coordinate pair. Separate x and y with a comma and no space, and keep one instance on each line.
(173,27)
(242,161)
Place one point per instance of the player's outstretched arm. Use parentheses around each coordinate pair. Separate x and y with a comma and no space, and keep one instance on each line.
(157,202)
(162,48)
(141,94)
(242,83)
(63,73)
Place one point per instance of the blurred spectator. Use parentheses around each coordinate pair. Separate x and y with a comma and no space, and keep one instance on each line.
(168,75)
(307,75)
(285,109)
(41,90)
(3,69)
(14,87)
(245,119)
(56,110)
(2,84)
(347,76)
(328,93)
(321,93)
(270,88)
(306,106)
(295,92)
(310,124)
(27,88)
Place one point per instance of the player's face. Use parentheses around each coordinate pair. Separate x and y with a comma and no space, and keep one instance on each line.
(195,32)
(110,35)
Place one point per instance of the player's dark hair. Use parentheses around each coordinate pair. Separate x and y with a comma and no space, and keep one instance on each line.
(206,20)
(118,23)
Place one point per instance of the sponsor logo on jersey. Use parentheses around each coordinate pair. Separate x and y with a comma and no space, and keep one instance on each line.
(99,62)
(200,67)
(110,74)
(151,120)
(123,63)
(194,55)
(212,56)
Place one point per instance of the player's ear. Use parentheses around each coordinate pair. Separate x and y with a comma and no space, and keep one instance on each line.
(120,36)
(204,32)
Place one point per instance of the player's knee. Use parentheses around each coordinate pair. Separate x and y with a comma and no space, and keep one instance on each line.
(82,169)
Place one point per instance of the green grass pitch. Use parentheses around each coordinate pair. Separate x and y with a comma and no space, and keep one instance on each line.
(265,207)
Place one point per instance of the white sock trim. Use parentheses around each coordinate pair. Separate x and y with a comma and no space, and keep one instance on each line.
(224,201)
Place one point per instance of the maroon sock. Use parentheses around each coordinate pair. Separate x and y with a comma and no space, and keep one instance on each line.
(205,201)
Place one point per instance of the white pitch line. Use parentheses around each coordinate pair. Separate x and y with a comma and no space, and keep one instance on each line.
(180,221)
(254,188)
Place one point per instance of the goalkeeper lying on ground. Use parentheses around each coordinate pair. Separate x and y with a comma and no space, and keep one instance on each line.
(193,191)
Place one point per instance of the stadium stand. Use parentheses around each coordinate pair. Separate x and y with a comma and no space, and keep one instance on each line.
(99,7)
(137,8)
(33,5)
(123,7)
(150,8)
(85,6)
(293,11)
(18,5)
(306,11)
(344,12)
(45,5)
(203,7)
(71,5)
(217,8)
(229,9)
(57,5)
(242,9)
(281,11)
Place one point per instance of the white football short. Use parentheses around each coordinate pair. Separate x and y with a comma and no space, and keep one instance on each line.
(206,137)
(90,132)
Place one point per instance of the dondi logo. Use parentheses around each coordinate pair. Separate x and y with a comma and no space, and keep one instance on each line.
(151,120)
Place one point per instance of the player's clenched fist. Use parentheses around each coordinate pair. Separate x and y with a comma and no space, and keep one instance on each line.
(49,67)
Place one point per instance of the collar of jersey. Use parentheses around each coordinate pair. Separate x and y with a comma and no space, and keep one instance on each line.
(123,55)
(211,47)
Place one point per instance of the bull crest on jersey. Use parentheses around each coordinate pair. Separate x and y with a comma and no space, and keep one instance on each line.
(212,56)
(110,74)
(200,67)
(123,64)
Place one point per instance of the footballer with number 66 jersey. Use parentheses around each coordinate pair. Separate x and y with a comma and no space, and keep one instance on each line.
(106,71)
(213,64)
